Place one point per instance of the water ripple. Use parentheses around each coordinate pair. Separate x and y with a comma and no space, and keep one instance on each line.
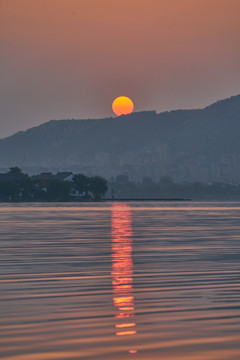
(137,280)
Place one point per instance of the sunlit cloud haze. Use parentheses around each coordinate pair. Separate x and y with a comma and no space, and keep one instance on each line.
(72,58)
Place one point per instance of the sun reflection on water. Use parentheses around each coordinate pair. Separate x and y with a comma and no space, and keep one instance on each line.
(122,270)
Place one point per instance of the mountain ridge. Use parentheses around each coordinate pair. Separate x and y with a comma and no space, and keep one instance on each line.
(175,143)
(212,105)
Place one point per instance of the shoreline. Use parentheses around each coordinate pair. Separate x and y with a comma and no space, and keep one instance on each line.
(93,201)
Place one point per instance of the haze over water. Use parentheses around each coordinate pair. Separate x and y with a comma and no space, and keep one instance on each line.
(120,281)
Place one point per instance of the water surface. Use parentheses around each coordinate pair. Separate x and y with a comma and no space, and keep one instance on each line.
(120,281)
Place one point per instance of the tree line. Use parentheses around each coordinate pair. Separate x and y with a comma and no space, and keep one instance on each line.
(17,186)
(122,188)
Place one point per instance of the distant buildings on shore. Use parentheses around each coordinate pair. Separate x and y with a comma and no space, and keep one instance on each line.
(182,168)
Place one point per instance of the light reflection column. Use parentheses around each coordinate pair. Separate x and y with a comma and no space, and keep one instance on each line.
(122,270)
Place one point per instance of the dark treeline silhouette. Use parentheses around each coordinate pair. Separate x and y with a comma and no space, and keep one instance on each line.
(65,186)
(166,188)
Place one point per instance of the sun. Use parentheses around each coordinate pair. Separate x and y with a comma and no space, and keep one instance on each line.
(122,106)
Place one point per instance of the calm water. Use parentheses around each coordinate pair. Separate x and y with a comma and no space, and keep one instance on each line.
(122,281)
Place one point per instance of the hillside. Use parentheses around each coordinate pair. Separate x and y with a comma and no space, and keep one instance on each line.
(188,145)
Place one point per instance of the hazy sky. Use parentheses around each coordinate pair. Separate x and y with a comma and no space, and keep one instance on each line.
(71,58)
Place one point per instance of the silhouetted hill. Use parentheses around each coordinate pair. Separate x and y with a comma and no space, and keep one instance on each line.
(188,145)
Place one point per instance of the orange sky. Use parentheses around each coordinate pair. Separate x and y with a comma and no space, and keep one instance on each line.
(71,58)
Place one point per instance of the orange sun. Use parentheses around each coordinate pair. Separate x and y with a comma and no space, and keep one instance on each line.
(122,106)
